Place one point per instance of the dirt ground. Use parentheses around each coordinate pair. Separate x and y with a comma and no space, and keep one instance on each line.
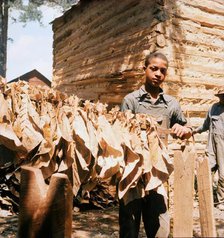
(102,224)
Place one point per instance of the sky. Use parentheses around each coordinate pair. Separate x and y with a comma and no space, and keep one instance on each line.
(31,47)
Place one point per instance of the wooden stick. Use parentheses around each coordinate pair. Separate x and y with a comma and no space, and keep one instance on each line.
(183,192)
(45,211)
(205,199)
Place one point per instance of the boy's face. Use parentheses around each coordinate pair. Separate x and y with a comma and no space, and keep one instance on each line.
(156,72)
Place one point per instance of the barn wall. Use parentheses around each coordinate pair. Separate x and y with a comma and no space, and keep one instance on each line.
(99,48)
(195,47)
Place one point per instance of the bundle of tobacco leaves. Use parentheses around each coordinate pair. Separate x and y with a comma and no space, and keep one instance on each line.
(97,148)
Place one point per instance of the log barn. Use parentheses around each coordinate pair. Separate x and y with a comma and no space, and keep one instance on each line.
(99,48)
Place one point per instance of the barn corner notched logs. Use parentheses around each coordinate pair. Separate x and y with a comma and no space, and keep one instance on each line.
(99,49)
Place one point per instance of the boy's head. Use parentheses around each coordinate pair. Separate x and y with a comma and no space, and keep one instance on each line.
(220,94)
(156,65)
(149,57)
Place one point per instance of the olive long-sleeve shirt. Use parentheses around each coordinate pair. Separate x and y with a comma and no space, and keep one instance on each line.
(140,101)
(214,121)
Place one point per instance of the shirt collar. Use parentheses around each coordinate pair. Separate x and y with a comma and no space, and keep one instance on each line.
(144,93)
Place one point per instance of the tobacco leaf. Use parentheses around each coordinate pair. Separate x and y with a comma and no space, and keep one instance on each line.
(97,149)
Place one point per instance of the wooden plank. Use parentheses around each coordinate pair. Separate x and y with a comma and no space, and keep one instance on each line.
(32,191)
(183,192)
(45,211)
(205,199)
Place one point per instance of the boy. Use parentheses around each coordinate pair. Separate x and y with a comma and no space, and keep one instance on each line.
(214,122)
(151,99)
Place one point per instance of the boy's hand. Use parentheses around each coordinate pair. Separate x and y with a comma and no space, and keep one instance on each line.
(181,132)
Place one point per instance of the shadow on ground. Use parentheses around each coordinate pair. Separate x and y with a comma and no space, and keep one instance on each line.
(101,224)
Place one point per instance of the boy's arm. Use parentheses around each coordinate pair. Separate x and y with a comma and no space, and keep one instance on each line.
(182,132)
(205,125)
(179,126)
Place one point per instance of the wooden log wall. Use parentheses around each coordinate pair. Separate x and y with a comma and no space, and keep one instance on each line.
(194,45)
(100,46)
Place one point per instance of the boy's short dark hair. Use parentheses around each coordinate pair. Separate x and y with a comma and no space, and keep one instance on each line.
(155,55)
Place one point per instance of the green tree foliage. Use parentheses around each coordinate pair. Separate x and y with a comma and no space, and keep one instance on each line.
(28,10)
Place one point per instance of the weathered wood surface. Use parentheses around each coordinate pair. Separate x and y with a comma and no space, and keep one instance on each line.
(205,195)
(45,211)
(95,40)
(100,46)
(184,162)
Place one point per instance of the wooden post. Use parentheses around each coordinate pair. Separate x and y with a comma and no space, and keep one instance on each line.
(183,192)
(45,211)
(205,199)
(163,133)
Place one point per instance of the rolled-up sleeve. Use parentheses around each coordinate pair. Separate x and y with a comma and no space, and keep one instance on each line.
(128,104)
(124,105)
(205,125)
(177,115)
